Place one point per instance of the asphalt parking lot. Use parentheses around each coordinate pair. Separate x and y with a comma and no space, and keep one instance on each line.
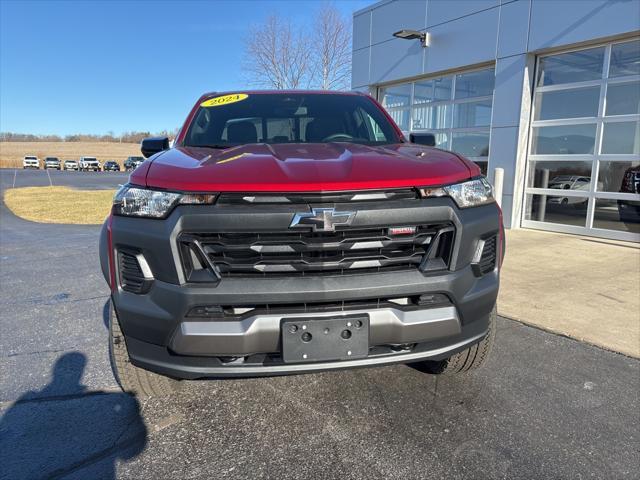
(545,407)
(11,177)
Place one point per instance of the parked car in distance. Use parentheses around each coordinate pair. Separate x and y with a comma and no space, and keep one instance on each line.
(131,163)
(31,161)
(71,165)
(330,242)
(111,166)
(51,162)
(89,163)
(569,182)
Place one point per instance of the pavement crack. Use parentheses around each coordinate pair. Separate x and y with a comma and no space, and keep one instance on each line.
(37,352)
(60,298)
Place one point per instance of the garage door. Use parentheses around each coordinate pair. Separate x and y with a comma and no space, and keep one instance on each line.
(583,168)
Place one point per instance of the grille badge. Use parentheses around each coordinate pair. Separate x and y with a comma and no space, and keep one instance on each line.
(322,219)
(402,230)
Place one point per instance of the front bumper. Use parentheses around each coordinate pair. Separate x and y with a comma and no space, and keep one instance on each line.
(162,337)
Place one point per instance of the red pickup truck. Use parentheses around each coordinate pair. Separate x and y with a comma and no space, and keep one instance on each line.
(288,232)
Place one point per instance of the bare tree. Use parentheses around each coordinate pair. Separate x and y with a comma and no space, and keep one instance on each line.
(277,56)
(332,58)
(280,57)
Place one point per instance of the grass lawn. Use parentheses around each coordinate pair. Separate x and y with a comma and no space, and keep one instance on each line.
(60,204)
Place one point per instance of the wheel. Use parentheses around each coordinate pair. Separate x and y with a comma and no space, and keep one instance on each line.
(132,379)
(565,201)
(469,359)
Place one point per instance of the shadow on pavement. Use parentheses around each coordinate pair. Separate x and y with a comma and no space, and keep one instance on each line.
(64,429)
(105,313)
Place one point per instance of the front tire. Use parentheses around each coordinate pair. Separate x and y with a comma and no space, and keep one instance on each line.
(132,379)
(469,359)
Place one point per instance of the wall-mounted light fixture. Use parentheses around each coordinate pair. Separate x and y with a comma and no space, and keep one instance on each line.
(424,37)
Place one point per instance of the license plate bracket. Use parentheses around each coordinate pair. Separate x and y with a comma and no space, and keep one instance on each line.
(317,339)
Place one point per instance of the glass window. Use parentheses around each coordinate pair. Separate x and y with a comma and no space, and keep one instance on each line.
(566,210)
(625,59)
(570,103)
(436,107)
(326,118)
(475,84)
(623,98)
(472,114)
(436,89)
(623,177)
(396,96)
(432,117)
(621,138)
(280,130)
(571,122)
(564,140)
(401,117)
(443,140)
(571,67)
(563,175)
(621,215)
(483,164)
(471,144)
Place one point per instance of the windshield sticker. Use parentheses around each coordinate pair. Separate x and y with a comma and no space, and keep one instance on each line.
(224,100)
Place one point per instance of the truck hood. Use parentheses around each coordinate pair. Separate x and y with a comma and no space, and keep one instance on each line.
(302,167)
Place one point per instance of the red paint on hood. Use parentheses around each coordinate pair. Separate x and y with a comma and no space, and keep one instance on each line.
(305,167)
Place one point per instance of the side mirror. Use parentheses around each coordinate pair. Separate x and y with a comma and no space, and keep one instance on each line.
(152,145)
(428,139)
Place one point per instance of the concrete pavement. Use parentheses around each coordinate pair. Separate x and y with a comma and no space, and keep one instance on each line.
(583,287)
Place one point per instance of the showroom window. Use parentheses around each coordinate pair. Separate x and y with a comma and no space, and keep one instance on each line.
(456,108)
(585,141)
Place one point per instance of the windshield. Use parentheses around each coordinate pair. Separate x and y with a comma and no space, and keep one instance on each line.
(289,118)
(90,159)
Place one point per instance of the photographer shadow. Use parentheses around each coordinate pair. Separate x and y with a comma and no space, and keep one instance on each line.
(64,430)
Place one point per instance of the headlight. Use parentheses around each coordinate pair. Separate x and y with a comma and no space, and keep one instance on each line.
(466,194)
(141,202)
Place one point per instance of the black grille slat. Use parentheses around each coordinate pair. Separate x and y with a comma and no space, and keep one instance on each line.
(306,266)
(303,245)
(132,279)
(489,252)
(229,313)
(346,251)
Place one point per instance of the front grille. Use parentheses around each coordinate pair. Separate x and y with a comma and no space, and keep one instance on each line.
(132,278)
(289,253)
(488,259)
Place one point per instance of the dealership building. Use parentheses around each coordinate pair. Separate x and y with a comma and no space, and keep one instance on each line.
(546,90)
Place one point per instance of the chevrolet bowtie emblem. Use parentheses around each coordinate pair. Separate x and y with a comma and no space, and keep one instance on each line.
(322,219)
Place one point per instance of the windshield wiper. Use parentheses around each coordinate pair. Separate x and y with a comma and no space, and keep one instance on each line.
(215,145)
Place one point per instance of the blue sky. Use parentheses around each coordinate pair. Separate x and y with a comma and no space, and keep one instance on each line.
(97,66)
